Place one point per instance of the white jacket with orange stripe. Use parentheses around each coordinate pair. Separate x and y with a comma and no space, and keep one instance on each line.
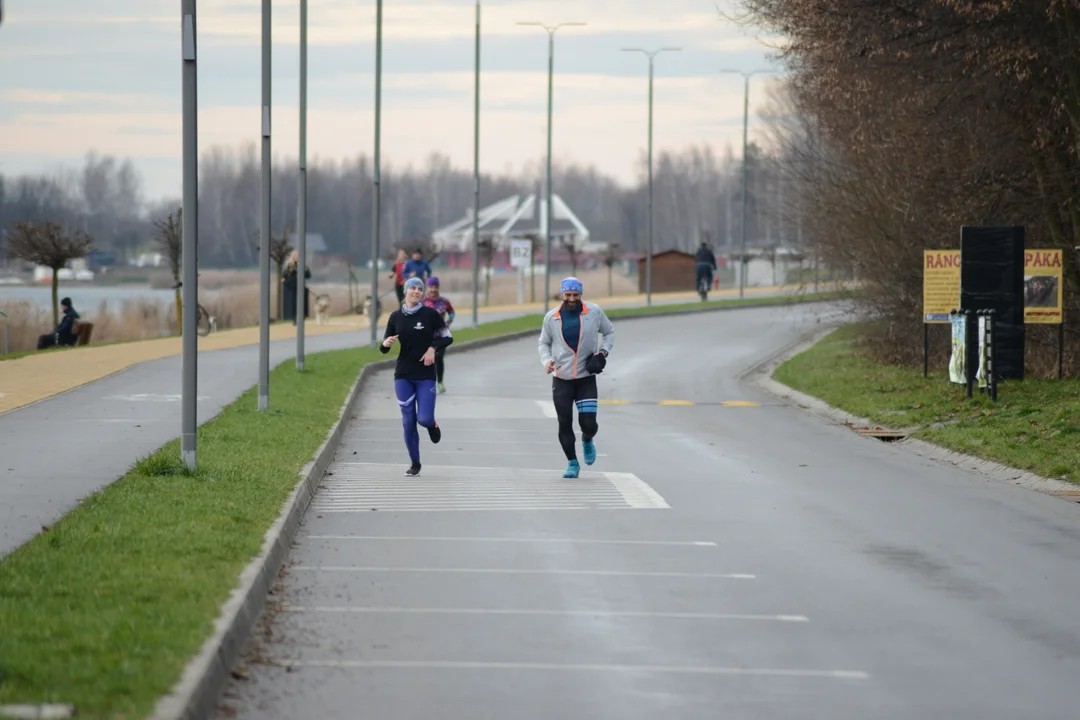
(570,365)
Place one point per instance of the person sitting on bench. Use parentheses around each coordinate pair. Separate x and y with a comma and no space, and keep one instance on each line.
(66,331)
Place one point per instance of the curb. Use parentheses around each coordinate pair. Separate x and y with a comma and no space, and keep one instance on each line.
(762,379)
(196,695)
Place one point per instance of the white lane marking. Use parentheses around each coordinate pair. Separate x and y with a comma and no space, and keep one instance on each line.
(452,441)
(635,491)
(526,611)
(34,712)
(521,571)
(576,667)
(363,487)
(510,539)
(547,408)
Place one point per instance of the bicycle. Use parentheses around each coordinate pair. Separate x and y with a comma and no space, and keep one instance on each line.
(703,288)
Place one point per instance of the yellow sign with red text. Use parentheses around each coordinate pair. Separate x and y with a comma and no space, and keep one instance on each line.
(1042,286)
(941,284)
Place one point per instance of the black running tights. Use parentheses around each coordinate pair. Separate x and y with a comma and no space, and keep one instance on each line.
(566,394)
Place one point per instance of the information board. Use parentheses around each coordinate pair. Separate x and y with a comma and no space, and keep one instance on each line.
(941,284)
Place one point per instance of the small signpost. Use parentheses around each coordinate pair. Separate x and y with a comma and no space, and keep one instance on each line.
(520,258)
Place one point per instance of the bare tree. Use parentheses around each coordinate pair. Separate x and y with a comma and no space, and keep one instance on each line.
(280,248)
(568,243)
(487,255)
(612,254)
(51,245)
(170,238)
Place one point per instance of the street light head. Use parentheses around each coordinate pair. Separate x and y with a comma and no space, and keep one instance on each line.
(633,50)
(670,49)
(531,23)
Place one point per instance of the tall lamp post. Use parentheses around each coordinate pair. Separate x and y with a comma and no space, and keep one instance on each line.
(551,30)
(264,220)
(746,121)
(301,210)
(648,257)
(189,225)
(476,178)
(374,316)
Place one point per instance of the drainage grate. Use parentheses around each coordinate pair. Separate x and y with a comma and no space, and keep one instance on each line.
(879,433)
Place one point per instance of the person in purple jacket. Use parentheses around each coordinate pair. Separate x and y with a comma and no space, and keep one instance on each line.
(441,305)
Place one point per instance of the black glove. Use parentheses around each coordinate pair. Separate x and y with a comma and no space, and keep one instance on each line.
(596,362)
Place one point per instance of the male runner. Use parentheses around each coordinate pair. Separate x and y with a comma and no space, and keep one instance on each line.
(571,353)
(420,331)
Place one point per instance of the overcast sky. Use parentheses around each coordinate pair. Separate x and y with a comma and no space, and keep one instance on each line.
(77,76)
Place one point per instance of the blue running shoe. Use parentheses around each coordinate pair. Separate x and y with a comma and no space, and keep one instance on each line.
(572,469)
(589,448)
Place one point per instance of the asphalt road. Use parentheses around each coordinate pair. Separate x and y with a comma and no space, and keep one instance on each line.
(731,558)
(54,452)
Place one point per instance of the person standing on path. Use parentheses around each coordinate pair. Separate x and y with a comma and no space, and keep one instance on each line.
(397,275)
(572,353)
(421,331)
(444,307)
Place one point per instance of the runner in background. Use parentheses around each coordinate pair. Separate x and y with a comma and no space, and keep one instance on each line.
(398,275)
(442,306)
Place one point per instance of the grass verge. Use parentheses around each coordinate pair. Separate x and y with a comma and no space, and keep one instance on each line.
(1032,426)
(105,608)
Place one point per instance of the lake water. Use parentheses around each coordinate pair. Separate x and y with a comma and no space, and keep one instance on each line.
(86,297)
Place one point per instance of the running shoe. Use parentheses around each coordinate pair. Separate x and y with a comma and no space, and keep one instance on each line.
(413,470)
(572,469)
(589,448)
(435,433)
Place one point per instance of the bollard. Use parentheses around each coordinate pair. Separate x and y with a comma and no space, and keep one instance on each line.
(991,333)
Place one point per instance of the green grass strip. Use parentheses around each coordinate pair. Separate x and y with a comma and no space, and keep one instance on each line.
(1033,425)
(105,609)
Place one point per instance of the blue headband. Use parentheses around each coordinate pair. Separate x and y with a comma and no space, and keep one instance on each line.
(414,282)
(571,284)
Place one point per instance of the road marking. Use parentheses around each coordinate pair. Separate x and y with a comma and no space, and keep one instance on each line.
(636,492)
(363,487)
(547,407)
(613,402)
(522,571)
(576,667)
(740,403)
(151,397)
(675,402)
(511,539)
(451,441)
(572,613)
(35,712)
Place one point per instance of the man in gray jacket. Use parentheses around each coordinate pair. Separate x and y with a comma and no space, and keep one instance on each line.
(572,353)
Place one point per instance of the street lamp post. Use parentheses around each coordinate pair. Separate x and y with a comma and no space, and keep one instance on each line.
(551,30)
(649,253)
(301,210)
(746,122)
(264,220)
(189,227)
(476,179)
(374,316)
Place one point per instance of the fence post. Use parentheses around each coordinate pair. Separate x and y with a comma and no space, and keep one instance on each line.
(7,346)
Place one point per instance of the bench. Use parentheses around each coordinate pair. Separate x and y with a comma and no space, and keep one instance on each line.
(83,331)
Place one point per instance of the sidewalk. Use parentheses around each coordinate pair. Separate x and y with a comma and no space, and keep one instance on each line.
(33,378)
